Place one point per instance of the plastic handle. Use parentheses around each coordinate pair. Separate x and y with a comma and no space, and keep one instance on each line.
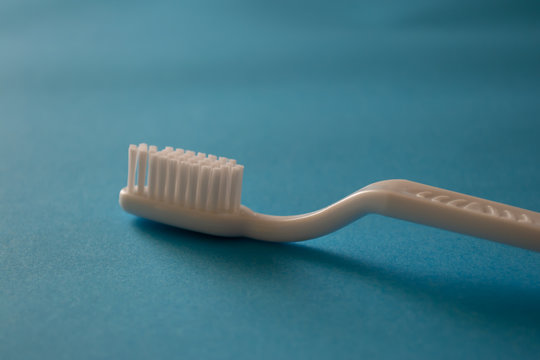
(457,212)
(400,199)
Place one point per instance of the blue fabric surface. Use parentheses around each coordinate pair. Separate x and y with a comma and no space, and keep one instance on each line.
(316,99)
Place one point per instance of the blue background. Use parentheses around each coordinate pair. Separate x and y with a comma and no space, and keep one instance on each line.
(316,99)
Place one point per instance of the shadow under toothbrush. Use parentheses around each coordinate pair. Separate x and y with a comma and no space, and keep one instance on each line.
(492,303)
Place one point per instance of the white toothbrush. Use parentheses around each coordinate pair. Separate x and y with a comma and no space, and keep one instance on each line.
(202,193)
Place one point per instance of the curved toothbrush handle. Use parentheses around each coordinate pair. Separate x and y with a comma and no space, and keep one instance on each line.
(457,212)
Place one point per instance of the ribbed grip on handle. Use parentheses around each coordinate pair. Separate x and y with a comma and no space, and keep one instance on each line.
(462,213)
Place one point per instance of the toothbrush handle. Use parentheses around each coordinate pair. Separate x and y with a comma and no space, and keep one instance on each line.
(457,212)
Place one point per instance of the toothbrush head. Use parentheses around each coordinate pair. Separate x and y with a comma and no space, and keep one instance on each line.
(185,189)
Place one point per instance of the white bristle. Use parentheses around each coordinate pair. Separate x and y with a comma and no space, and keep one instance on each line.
(132,166)
(141,158)
(222,160)
(188,155)
(170,178)
(178,152)
(152,171)
(236,187)
(162,172)
(182,172)
(202,187)
(160,176)
(192,184)
(185,178)
(213,189)
(223,187)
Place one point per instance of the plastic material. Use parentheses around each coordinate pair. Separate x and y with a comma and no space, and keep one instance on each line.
(202,193)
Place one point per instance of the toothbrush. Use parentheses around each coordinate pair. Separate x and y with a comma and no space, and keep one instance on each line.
(202,193)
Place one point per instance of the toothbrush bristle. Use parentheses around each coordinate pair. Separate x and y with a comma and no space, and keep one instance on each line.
(184,178)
